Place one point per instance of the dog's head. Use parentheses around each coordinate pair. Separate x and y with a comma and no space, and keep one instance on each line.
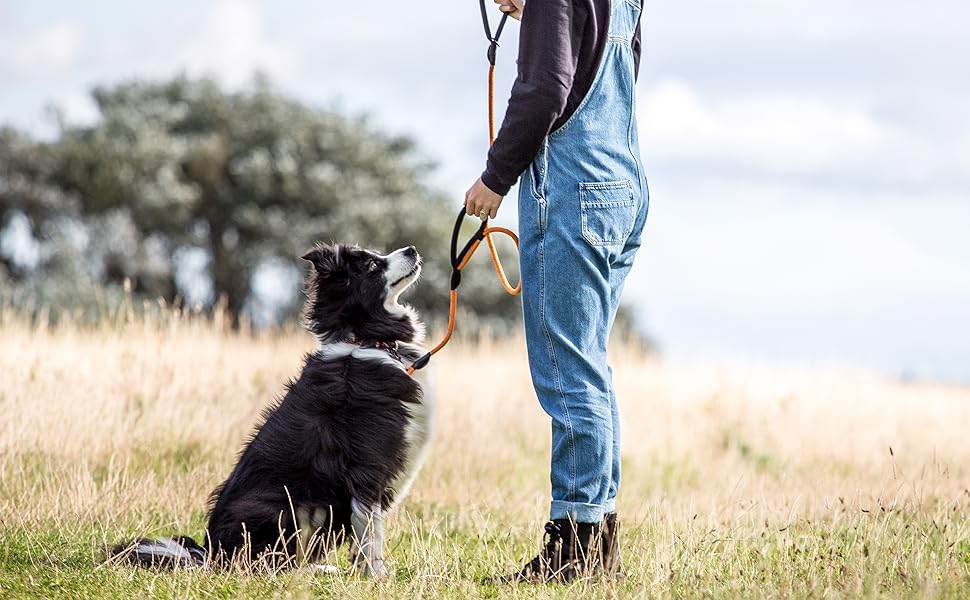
(352,294)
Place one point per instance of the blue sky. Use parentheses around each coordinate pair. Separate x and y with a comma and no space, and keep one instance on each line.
(808,160)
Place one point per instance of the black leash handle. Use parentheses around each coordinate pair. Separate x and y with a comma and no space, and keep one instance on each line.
(492,40)
(458,257)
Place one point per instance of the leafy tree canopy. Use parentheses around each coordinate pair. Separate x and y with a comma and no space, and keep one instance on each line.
(243,179)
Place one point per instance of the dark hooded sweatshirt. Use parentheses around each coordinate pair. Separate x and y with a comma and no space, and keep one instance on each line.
(561,43)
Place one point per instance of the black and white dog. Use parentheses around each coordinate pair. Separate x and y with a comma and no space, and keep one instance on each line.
(345,442)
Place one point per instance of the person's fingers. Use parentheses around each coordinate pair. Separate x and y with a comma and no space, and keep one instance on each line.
(471,203)
(480,200)
(509,7)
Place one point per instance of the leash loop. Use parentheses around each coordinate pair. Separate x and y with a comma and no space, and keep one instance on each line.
(459,259)
(492,40)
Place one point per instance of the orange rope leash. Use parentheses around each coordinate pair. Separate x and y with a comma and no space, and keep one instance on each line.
(459,260)
(491,104)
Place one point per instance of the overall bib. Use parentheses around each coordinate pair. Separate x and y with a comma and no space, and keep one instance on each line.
(582,206)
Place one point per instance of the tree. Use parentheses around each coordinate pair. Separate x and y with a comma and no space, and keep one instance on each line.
(245,177)
(26,189)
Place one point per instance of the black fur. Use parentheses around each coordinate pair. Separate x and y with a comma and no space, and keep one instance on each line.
(338,432)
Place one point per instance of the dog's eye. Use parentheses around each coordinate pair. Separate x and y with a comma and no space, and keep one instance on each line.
(373,265)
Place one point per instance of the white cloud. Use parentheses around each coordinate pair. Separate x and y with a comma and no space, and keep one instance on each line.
(773,260)
(708,23)
(781,134)
(232,43)
(748,269)
(790,135)
(43,54)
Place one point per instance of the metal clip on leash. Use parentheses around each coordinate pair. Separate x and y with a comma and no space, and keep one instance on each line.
(460,259)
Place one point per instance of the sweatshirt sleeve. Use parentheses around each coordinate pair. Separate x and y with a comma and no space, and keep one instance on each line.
(546,68)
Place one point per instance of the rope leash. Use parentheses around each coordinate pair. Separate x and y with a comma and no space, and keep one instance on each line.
(459,260)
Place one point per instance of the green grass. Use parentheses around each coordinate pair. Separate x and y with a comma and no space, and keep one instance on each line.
(735,486)
(443,552)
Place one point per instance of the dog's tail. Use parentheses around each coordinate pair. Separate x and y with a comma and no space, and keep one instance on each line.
(177,552)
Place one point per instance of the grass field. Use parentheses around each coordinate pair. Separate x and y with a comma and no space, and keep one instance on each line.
(737,483)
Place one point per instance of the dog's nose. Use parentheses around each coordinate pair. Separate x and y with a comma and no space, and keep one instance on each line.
(411,251)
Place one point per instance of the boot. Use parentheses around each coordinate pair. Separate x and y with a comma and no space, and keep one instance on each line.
(571,551)
(611,546)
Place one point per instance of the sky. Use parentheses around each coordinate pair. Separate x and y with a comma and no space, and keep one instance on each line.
(807,160)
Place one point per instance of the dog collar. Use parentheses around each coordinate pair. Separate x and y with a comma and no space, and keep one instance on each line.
(390,349)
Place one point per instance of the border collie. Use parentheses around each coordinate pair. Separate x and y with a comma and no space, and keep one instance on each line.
(342,446)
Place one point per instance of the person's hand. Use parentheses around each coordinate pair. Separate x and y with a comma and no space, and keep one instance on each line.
(479,200)
(512,8)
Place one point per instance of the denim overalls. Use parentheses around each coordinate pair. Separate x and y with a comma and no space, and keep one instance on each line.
(582,206)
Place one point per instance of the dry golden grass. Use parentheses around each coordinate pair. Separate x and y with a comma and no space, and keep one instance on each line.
(737,483)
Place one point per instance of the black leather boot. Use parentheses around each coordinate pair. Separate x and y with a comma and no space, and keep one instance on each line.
(611,545)
(571,551)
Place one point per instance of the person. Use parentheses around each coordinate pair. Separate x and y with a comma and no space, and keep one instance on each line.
(570,133)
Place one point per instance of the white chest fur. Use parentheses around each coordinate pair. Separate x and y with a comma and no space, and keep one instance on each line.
(417,436)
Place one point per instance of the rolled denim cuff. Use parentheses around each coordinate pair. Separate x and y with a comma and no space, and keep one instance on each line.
(610,506)
(577,511)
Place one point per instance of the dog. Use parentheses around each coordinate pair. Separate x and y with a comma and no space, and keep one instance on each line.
(345,442)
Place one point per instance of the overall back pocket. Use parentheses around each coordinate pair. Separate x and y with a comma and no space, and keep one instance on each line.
(609,212)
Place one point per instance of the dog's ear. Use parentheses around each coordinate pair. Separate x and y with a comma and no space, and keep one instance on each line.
(323,258)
